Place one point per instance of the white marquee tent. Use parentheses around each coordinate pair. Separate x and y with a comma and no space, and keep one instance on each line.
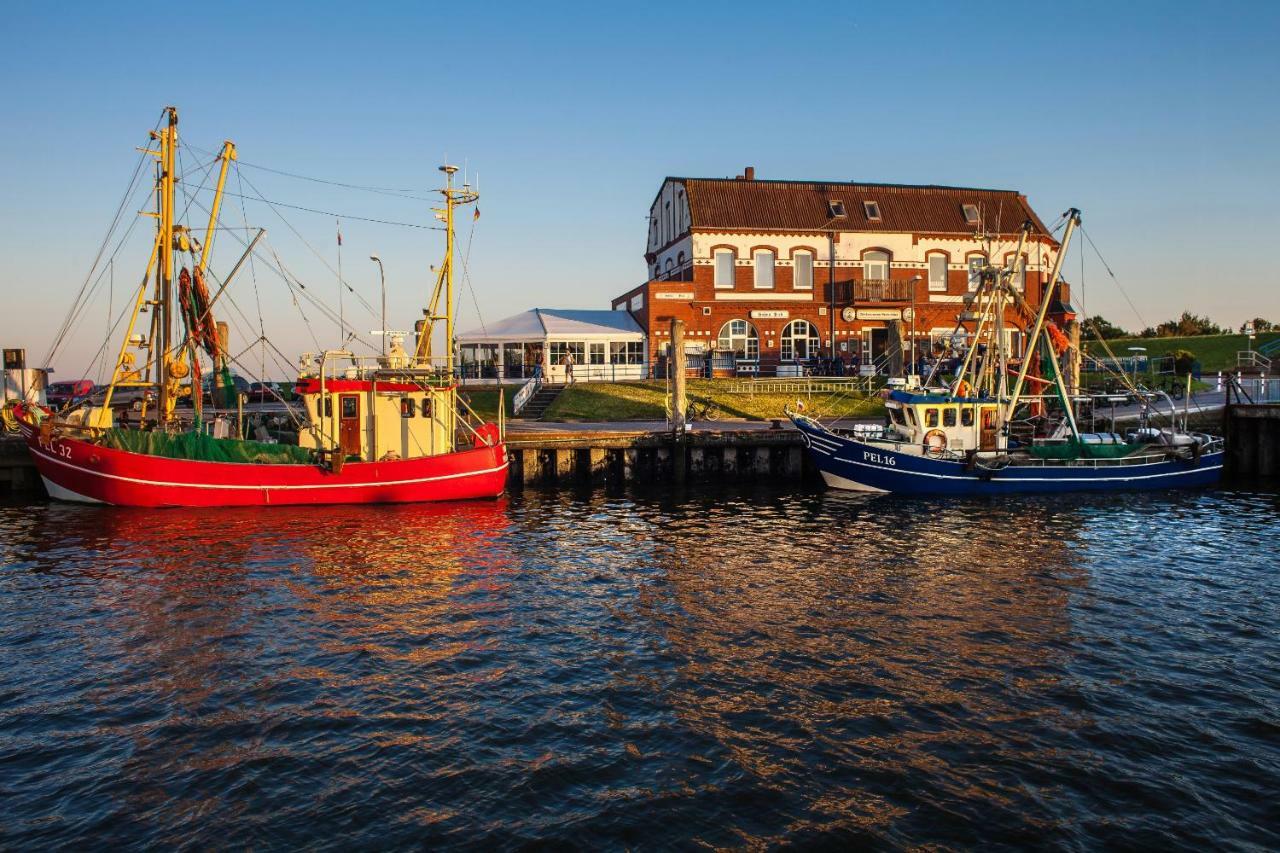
(604,346)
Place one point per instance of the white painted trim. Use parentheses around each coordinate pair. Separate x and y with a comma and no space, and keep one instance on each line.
(268,487)
(759,296)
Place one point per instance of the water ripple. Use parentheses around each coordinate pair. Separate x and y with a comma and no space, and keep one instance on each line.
(741,668)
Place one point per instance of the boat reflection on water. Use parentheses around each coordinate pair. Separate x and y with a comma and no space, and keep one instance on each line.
(732,668)
(854,647)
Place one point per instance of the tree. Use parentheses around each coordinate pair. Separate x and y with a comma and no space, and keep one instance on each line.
(1187,325)
(1260,326)
(1098,327)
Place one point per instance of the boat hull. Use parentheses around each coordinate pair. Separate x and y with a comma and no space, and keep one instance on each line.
(75,470)
(849,463)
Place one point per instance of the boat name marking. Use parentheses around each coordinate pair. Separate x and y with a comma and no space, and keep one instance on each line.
(879,459)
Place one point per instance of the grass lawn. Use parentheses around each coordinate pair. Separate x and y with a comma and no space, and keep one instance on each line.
(1215,352)
(621,401)
(485,401)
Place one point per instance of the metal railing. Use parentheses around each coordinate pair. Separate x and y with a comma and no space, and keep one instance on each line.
(805,385)
(525,394)
(1252,359)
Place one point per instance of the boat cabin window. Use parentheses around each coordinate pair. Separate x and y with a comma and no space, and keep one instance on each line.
(966,416)
(895,417)
(328,407)
(426,407)
(948,417)
(911,417)
(407,407)
(930,417)
(350,407)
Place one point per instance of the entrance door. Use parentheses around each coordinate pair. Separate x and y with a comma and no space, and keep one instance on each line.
(349,425)
(987,436)
(875,342)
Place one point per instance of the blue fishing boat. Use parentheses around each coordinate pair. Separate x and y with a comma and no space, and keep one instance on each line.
(979,434)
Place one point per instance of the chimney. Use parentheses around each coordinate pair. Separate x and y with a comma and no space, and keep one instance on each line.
(749,173)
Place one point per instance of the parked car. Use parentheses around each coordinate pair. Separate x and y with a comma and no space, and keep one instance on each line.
(59,394)
(241,384)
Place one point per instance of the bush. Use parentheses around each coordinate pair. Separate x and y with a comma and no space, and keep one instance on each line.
(1183,361)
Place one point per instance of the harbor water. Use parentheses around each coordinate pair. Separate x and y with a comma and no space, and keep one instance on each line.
(737,668)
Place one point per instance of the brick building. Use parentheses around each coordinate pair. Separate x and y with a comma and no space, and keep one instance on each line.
(766,274)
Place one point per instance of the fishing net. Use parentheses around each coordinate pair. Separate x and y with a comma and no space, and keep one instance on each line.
(198,447)
(1081,450)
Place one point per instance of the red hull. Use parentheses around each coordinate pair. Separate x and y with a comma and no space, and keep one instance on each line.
(78,471)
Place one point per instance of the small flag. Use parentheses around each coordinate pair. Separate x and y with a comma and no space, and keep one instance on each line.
(339,237)
(338,226)
(476,215)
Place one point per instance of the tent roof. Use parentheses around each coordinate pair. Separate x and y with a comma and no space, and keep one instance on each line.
(538,324)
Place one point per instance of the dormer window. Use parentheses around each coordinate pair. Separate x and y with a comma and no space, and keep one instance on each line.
(971,214)
(872,209)
(835,209)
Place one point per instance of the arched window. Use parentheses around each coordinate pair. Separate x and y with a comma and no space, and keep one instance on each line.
(875,266)
(802,270)
(740,338)
(670,266)
(976,263)
(680,261)
(764,259)
(937,262)
(799,341)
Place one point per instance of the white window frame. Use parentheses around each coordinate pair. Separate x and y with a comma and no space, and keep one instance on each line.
(872,210)
(795,269)
(729,269)
(746,334)
(867,263)
(760,271)
(975,275)
(1020,274)
(937,286)
(972,215)
(795,331)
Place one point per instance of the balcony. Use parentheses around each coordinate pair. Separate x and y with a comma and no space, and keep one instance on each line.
(873,290)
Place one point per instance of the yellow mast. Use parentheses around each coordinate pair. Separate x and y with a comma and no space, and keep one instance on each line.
(453,196)
(228,154)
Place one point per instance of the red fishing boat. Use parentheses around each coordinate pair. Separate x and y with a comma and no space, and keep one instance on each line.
(389,428)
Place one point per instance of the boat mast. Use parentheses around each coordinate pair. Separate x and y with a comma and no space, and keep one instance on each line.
(453,196)
(164,295)
(1073,220)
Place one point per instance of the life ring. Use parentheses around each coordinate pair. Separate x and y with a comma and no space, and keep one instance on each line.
(961,388)
(935,442)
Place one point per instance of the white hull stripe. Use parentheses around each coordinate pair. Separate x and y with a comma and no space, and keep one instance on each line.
(261,486)
(997,479)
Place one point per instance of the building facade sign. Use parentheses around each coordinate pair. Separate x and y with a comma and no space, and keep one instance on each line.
(685,295)
(770,315)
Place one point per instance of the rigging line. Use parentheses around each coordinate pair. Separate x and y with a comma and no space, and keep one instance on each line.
(1107,267)
(391,191)
(466,277)
(129,189)
(280,270)
(305,242)
(253,274)
(336,215)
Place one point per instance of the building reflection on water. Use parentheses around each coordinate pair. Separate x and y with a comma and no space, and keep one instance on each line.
(856,639)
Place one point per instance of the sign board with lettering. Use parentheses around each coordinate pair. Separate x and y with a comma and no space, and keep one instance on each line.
(879,314)
(675,294)
(770,315)
(15,359)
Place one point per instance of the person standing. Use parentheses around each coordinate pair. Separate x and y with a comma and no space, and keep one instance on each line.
(567,361)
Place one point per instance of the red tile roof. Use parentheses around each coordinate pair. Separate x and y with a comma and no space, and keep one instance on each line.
(723,203)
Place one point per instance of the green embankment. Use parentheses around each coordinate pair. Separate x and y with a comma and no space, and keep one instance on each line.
(621,401)
(1214,352)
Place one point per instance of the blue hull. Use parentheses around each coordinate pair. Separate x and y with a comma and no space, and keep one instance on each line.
(848,463)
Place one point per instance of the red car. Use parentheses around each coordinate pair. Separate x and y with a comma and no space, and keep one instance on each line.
(60,393)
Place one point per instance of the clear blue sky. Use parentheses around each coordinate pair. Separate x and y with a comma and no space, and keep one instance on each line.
(1158,120)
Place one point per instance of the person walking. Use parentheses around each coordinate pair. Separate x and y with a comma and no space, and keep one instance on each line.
(567,362)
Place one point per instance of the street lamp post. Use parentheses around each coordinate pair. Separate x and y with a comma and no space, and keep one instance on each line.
(382,276)
(1135,351)
(911,367)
